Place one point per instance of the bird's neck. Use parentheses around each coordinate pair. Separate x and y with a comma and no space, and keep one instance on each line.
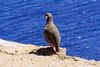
(49,21)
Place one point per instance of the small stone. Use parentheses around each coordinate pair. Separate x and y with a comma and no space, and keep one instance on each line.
(21,58)
(16,51)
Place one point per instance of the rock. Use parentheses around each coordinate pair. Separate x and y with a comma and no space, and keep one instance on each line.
(26,55)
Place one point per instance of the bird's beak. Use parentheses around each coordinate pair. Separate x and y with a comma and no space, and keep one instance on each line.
(46,17)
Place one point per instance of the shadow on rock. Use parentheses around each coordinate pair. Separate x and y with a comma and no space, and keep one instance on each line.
(44,51)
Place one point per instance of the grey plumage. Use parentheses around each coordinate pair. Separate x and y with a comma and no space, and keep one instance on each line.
(51,33)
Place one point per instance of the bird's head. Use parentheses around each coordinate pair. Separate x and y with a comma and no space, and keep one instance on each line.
(48,15)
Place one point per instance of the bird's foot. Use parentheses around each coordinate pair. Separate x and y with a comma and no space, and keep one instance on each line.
(51,45)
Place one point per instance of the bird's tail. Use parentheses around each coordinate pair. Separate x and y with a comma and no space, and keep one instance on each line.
(57,48)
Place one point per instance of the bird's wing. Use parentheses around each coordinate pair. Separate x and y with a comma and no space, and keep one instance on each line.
(56,40)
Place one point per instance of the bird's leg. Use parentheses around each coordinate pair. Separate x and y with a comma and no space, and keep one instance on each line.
(51,45)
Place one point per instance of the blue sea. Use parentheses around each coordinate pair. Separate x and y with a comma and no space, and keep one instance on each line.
(77,20)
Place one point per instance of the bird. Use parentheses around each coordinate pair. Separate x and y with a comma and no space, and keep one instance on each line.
(51,33)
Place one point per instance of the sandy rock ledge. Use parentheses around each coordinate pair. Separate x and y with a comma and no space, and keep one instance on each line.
(14,54)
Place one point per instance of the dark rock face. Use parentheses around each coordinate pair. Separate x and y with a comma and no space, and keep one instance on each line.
(44,51)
